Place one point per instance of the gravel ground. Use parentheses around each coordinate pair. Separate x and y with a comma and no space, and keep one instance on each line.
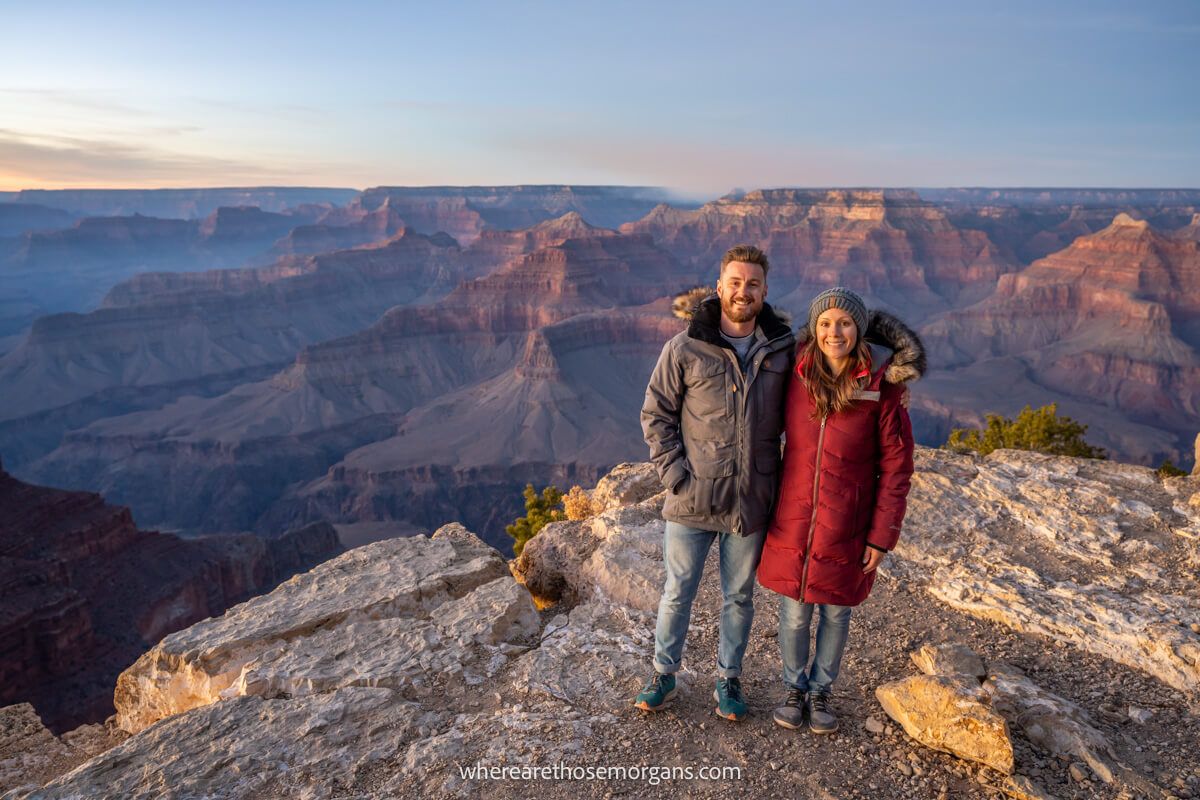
(855,763)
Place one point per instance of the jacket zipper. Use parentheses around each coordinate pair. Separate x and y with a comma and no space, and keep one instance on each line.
(737,423)
(812,524)
(740,406)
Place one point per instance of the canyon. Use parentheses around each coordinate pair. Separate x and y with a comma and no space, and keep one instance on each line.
(357,373)
(406,377)
(85,591)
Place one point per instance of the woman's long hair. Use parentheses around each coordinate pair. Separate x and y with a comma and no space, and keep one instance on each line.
(831,393)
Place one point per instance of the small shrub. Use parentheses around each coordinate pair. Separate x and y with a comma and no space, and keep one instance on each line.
(578,504)
(1041,430)
(1168,470)
(540,510)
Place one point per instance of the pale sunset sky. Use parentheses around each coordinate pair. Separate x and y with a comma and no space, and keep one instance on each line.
(699,96)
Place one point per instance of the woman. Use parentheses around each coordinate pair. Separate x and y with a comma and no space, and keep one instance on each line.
(847,463)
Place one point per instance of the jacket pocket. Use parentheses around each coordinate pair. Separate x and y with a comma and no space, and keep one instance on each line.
(681,499)
(712,465)
(706,391)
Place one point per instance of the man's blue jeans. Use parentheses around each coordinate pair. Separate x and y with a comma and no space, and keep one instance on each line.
(832,628)
(684,552)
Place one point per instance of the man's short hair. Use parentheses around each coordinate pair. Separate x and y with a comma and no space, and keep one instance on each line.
(747,253)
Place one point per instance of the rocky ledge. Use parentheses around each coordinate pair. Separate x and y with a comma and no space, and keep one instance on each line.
(1048,605)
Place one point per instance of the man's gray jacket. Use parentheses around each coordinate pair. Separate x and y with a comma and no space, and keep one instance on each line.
(713,429)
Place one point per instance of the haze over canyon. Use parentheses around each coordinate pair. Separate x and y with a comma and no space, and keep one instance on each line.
(253,360)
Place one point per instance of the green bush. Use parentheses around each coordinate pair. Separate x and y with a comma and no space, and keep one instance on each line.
(540,510)
(1168,470)
(1041,430)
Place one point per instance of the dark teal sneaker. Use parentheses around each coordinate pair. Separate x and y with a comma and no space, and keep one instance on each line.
(657,691)
(730,703)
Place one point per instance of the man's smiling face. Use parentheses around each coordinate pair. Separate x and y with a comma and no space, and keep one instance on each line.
(742,289)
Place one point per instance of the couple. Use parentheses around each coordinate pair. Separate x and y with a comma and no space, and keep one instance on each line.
(720,396)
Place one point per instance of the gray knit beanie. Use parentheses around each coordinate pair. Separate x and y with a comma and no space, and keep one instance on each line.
(838,297)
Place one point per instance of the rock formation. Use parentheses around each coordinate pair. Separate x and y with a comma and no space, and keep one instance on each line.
(1093,553)
(341,229)
(399,668)
(465,212)
(19,218)
(888,244)
(532,373)
(85,592)
(1107,322)
(180,203)
(194,334)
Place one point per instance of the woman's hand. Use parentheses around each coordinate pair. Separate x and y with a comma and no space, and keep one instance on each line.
(872,558)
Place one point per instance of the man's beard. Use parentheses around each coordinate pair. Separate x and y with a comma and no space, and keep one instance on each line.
(740,313)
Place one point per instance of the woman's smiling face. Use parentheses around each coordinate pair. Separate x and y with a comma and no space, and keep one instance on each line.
(837,335)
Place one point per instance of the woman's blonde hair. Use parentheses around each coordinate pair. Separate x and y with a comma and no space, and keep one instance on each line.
(831,393)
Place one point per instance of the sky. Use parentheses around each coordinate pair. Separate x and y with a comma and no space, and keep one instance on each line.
(700,96)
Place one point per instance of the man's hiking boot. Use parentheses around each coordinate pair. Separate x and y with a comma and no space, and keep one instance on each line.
(791,713)
(820,718)
(658,690)
(730,703)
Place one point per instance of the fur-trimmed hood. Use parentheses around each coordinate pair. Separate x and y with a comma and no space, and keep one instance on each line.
(702,308)
(908,354)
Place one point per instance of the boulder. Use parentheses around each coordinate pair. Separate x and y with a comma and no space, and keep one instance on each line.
(626,485)
(617,554)
(1053,723)
(945,712)
(949,659)
(396,613)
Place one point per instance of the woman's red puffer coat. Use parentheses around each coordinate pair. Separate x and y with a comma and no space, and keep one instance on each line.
(854,469)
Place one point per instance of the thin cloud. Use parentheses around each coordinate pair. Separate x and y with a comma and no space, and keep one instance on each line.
(294,111)
(92,101)
(38,160)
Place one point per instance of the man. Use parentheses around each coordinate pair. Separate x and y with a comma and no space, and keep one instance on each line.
(712,417)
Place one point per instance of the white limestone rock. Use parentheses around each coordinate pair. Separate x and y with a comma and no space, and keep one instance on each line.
(1079,550)
(617,553)
(626,485)
(311,748)
(949,659)
(1054,723)
(326,628)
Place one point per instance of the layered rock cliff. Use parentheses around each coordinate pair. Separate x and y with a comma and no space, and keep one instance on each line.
(466,211)
(68,269)
(179,334)
(514,377)
(888,244)
(180,203)
(1063,585)
(85,592)
(1110,320)
(18,218)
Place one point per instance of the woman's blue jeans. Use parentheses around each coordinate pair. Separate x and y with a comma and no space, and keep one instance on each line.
(684,552)
(833,626)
